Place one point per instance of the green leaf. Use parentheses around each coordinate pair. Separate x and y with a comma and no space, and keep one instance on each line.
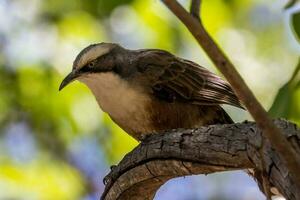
(279,107)
(295,23)
(286,103)
(290,4)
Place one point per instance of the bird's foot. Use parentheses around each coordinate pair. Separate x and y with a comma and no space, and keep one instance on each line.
(109,177)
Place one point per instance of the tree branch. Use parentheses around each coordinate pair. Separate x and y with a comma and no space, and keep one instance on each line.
(201,151)
(195,9)
(241,89)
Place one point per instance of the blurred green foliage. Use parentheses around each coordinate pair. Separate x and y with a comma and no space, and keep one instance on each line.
(53,10)
(60,144)
(296,24)
(18,184)
(290,4)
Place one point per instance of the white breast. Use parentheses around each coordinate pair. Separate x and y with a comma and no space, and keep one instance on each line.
(117,98)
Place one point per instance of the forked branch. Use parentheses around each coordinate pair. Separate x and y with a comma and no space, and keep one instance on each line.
(195,9)
(222,62)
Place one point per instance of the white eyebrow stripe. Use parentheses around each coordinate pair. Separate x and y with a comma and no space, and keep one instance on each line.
(91,54)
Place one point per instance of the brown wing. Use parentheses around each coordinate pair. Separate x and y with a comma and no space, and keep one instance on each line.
(174,78)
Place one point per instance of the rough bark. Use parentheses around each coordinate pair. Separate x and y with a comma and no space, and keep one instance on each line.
(215,148)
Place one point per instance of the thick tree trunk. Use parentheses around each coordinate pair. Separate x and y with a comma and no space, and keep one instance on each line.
(215,148)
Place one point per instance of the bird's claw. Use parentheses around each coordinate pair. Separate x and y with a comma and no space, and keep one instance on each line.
(108,178)
(112,167)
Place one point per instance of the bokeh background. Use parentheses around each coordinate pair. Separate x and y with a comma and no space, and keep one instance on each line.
(59,145)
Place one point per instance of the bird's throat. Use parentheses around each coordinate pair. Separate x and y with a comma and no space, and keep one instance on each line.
(125,104)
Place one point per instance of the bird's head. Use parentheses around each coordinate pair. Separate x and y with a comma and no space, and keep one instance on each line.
(96,58)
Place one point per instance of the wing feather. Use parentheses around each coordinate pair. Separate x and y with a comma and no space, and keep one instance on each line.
(187,81)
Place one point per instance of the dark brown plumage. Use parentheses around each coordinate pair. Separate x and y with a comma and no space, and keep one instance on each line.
(152,90)
(173,78)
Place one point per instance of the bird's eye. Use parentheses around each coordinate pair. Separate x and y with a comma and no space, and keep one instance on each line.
(91,64)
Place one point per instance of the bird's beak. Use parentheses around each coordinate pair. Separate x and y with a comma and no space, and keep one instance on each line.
(68,79)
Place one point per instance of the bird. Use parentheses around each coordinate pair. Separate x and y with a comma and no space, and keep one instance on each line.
(148,91)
